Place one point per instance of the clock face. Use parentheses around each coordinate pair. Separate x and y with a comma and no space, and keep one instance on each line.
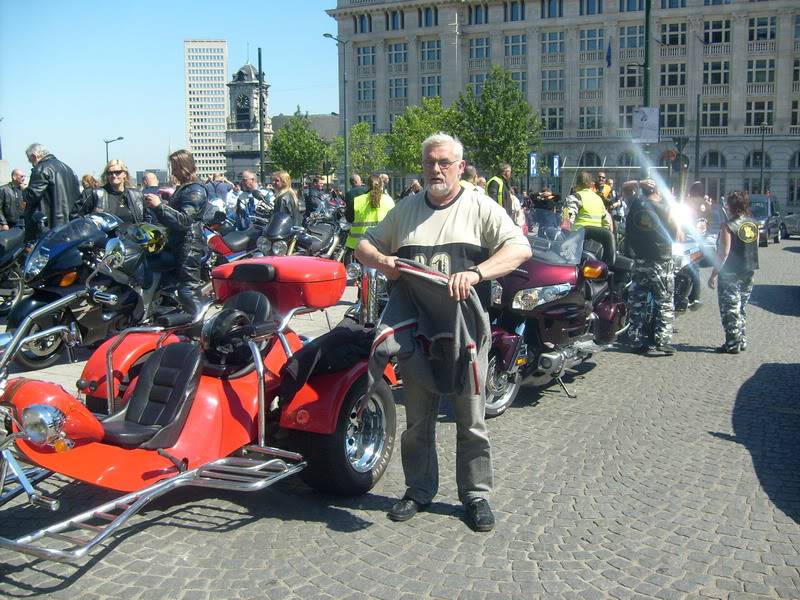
(242,101)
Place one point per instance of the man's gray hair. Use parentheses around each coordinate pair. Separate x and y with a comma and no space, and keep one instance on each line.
(443,139)
(37,150)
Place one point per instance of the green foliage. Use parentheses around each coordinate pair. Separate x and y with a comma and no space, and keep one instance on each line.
(410,129)
(498,126)
(297,148)
(366,150)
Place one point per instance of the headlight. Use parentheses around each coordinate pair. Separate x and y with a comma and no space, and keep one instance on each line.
(280,248)
(353,271)
(36,262)
(43,424)
(263,245)
(530,298)
(702,227)
(497,292)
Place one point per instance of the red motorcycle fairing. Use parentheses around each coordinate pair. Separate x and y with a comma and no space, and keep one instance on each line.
(506,344)
(611,315)
(533,273)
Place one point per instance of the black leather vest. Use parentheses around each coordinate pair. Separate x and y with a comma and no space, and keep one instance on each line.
(743,255)
(648,230)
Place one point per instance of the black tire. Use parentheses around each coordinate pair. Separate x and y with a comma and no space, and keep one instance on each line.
(351,460)
(763,241)
(11,288)
(501,390)
(784,233)
(43,353)
(777,238)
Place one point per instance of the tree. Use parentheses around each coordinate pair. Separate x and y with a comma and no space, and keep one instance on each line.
(366,152)
(297,148)
(498,125)
(410,129)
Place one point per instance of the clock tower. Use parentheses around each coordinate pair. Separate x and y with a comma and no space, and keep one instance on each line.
(241,134)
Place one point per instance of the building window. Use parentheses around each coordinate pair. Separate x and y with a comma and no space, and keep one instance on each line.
(362,23)
(797,27)
(514,11)
(672,115)
(553,80)
(796,70)
(673,74)
(673,34)
(794,182)
(430,50)
(628,159)
(365,56)
(553,42)
(753,160)
(428,17)
(591,78)
(761,70)
(715,2)
(714,114)
(521,78)
(553,118)
(590,159)
(479,14)
(398,88)
(630,76)
(590,117)
(673,3)
(717,32)
(431,86)
(758,112)
(795,112)
(761,28)
(631,5)
(476,81)
(397,53)
(714,160)
(626,116)
(592,39)
(591,7)
(480,48)
(395,20)
(552,9)
(631,36)
(716,72)
(516,45)
(373,123)
(366,90)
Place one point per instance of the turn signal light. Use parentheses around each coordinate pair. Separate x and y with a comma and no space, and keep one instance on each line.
(593,271)
(62,445)
(68,279)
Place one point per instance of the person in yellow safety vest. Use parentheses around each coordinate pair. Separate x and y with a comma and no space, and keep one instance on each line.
(586,208)
(499,188)
(369,209)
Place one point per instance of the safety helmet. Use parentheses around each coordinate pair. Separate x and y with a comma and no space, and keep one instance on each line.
(222,338)
(149,238)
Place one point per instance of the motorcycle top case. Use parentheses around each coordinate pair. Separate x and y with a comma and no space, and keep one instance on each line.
(288,281)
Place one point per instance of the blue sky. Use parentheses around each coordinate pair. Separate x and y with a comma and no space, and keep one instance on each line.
(75,72)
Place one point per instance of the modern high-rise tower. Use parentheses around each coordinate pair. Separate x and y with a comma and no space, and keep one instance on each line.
(205,69)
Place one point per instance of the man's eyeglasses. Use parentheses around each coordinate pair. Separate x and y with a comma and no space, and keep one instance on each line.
(444,164)
(115,173)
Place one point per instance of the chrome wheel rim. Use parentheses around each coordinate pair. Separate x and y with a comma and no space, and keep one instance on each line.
(498,385)
(44,347)
(365,436)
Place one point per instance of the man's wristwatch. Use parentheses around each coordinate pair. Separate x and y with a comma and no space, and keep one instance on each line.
(475,269)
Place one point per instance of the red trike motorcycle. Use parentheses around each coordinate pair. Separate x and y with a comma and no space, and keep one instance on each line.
(169,412)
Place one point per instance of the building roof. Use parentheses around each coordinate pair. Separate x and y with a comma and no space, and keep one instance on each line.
(246,73)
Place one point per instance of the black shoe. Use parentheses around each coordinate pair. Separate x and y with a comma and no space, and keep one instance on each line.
(404,509)
(652,351)
(643,349)
(666,349)
(726,349)
(695,305)
(742,346)
(479,515)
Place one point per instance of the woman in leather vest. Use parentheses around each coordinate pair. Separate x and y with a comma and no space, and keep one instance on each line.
(285,198)
(734,267)
(115,196)
(182,216)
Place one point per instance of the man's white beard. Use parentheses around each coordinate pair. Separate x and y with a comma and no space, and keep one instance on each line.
(438,190)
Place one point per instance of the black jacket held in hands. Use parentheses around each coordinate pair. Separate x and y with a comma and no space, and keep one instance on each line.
(53,189)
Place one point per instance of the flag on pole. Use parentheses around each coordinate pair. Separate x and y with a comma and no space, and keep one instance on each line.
(608,55)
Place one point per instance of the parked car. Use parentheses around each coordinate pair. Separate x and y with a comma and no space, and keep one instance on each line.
(766,213)
(790,225)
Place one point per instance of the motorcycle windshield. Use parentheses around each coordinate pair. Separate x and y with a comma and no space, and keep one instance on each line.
(551,244)
(69,234)
(280,226)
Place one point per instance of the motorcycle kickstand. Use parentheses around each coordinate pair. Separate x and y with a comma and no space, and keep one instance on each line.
(70,354)
(564,387)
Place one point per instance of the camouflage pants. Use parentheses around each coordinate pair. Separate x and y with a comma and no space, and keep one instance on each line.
(656,278)
(733,293)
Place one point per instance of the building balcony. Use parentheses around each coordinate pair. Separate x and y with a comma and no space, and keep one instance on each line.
(713,131)
(672,51)
(591,56)
(631,53)
(721,89)
(398,104)
(590,133)
(672,131)
(365,71)
(552,59)
(761,47)
(676,91)
(365,105)
(794,129)
(760,89)
(478,64)
(398,68)
(427,66)
(552,135)
(630,92)
(796,87)
(717,49)
(515,61)
(590,94)
(557,96)
(756,130)
(624,132)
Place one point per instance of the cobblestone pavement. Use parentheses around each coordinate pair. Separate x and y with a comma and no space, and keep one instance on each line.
(666,477)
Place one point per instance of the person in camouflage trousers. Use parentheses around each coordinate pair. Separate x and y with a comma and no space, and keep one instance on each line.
(649,230)
(734,266)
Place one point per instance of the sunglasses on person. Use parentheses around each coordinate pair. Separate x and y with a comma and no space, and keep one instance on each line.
(115,173)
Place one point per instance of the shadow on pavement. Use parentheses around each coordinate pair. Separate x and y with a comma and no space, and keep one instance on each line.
(795,249)
(766,421)
(777,299)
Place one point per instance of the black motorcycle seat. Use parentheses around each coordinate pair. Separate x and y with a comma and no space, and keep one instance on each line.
(173,319)
(11,240)
(157,410)
(320,235)
(253,273)
(623,263)
(239,241)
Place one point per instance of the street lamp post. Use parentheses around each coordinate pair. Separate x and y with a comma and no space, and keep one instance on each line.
(761,178)
(342,44)
(111,142)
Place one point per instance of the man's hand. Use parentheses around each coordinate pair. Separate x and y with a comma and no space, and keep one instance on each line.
(152,200)
(460,283)
(3,227)
(712,280)
(387,266)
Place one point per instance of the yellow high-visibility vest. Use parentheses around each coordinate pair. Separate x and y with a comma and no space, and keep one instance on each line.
(365,216)
(500,184)
(592,209)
